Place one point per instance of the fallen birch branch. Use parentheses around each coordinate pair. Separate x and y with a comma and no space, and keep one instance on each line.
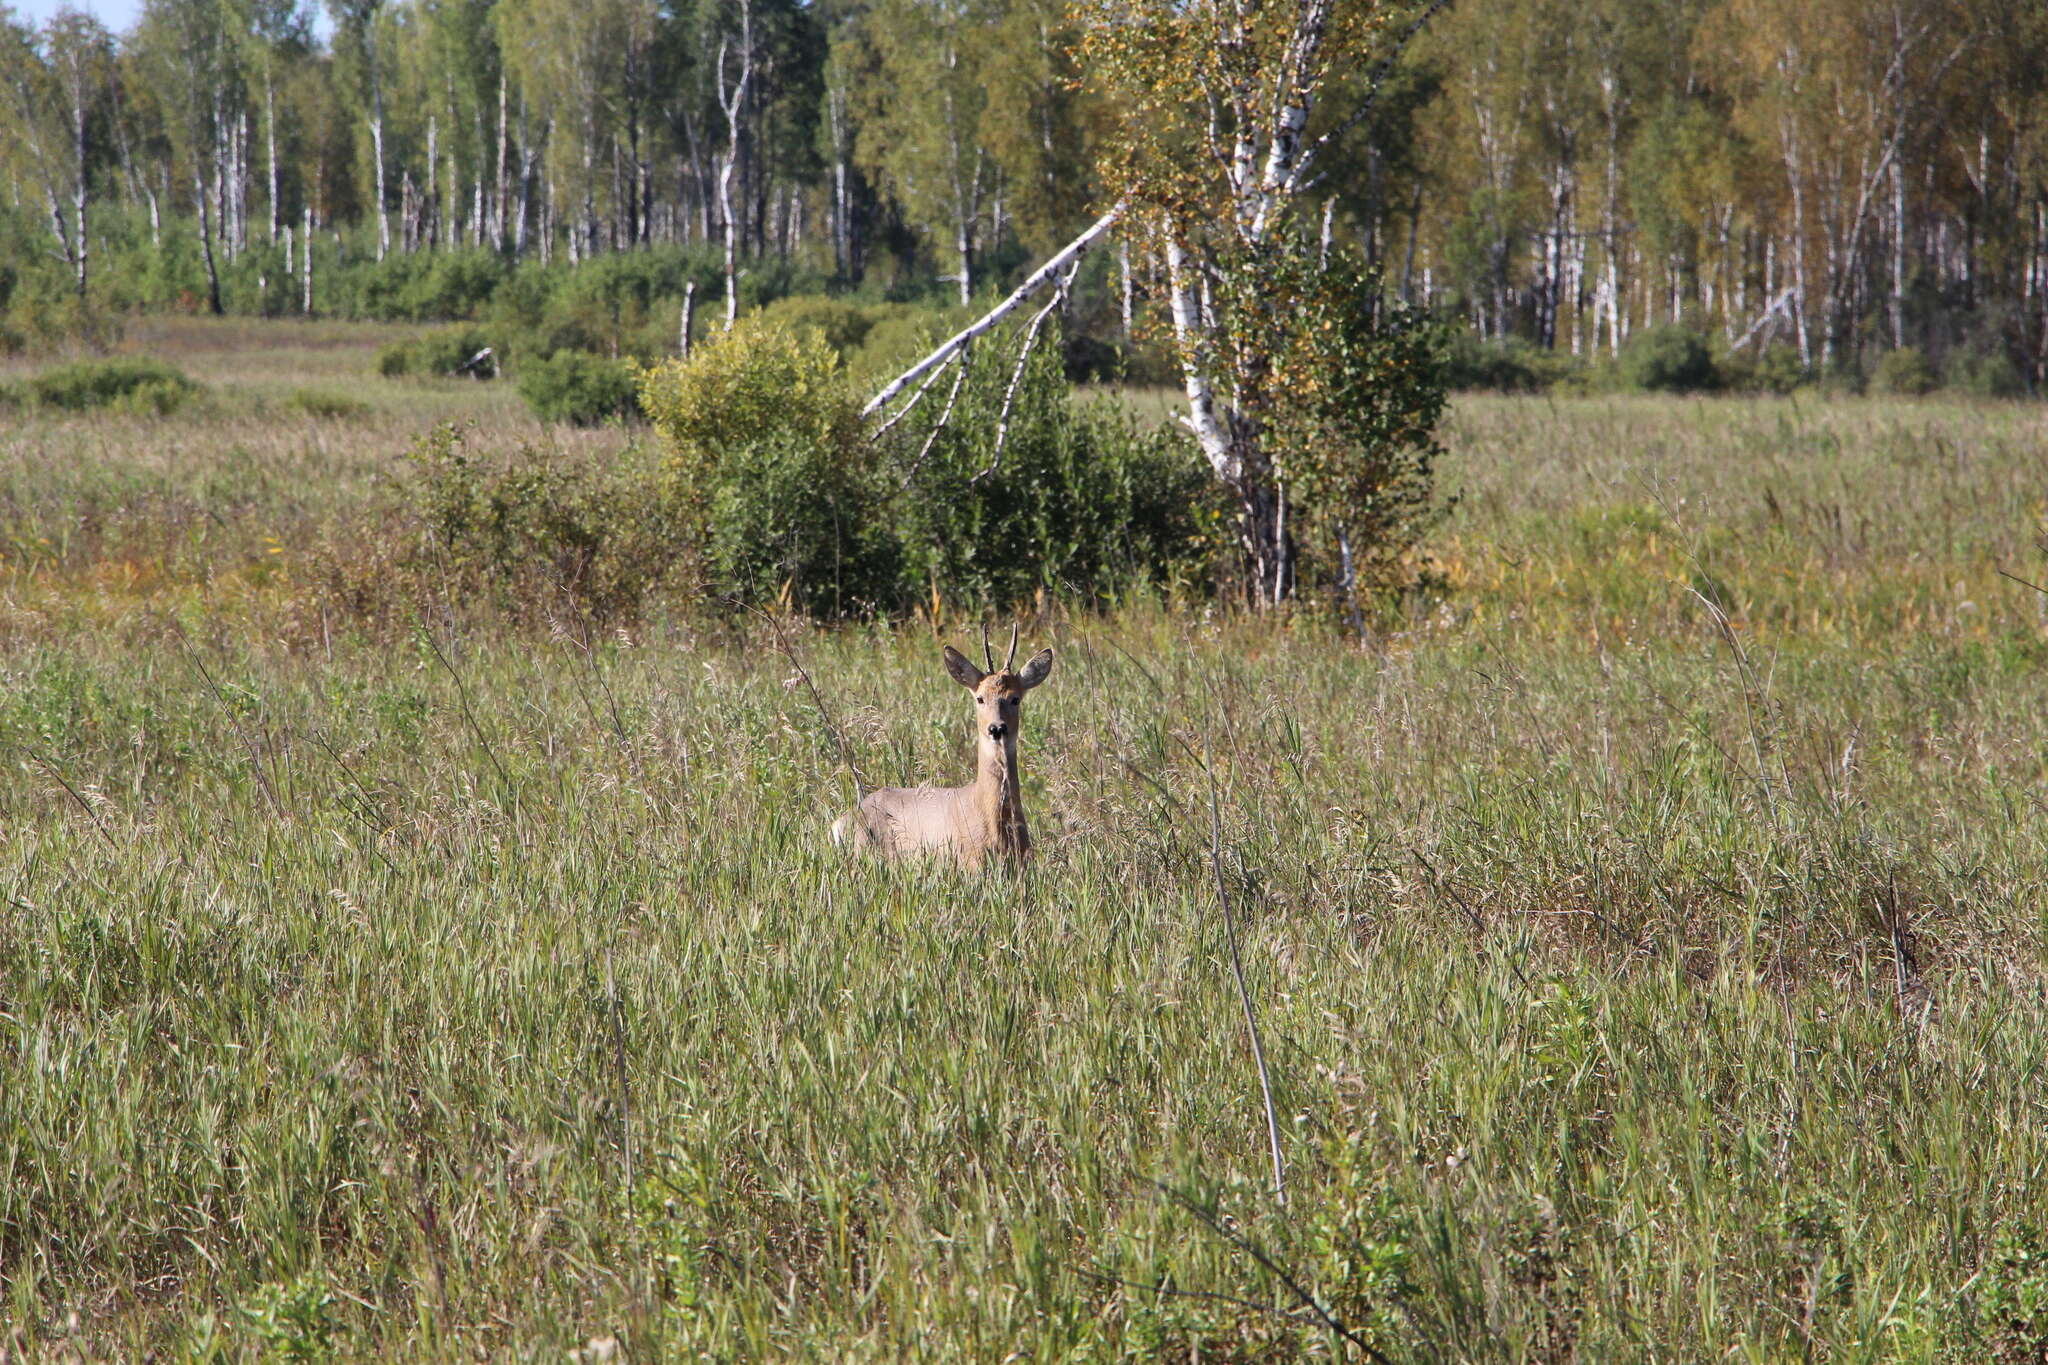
(957,343)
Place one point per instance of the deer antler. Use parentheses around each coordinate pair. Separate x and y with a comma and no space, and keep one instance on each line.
(988,654)
(1011,657)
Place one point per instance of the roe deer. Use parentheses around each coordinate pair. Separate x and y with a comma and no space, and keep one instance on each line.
(972,822)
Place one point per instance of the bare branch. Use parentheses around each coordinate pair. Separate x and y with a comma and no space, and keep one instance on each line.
(907,408)
(932,439)
(957,343)
(1017,373)
(1374,84)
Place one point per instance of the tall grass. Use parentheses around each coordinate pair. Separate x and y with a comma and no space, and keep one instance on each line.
(1632,987)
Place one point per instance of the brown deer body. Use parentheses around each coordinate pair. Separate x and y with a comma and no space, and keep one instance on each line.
(973,823)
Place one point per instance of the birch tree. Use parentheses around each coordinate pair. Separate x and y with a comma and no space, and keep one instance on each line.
(1214,150)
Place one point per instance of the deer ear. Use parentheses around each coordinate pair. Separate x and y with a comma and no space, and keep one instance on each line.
(1036,671)
(962,668)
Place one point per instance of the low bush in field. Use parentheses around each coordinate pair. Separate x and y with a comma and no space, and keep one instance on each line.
(1906,372)
(532,527)
(1772,369)
(768,470)
(578,388)
(843,323)
(1510,365)
(1667,359)
(425,286)
(123,383)
(1984,373)
(778,481)
(323,403)
(438,354)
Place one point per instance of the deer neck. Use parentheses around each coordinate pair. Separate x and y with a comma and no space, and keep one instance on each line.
(996,796)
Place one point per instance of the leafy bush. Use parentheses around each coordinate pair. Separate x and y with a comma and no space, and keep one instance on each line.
(1503,366)
(1080,498)
(131,383)
(2009,1310)
(423,286)
(581,389)
(1775,369)
(1985,374)
(438,354)
(901,334)
(776,477)
(323,404)
(844,325)
(1667,359)
(532,524)
(769,470)
(1906,372)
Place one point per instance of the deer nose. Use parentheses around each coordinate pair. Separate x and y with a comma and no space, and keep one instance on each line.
(998,730)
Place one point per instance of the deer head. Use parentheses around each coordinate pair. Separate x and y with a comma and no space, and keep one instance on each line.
(998,692)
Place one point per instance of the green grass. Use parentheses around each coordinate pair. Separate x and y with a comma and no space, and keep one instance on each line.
(433,987)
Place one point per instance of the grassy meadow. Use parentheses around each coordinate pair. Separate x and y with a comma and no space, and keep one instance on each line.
(1646,931)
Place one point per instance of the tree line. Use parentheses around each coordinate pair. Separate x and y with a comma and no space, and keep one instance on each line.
(1834,178)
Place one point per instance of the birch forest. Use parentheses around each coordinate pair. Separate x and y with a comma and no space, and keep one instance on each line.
(1829,180)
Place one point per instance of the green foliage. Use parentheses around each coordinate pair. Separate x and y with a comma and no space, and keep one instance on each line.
(776,476)
(1772,369)
(1667,358)
(2010,1302)
(1984,374)
(619,304)
(1081,499)
(1512,365)
(1906,372)
(580,389)
(428,286)
(843,323)
(125,383)
(1350,392)
(325,404)
(438,354)
(296,1320)
(902,334)
(769,470)
(532,526)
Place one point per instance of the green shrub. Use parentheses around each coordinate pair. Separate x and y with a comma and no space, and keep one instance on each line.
(421,286)
(1774,369)
(1503,366)
(532,525)
(130,383)
(1906,372)
(1984,374)
(323,404)
(155,398)
(770,472)
(844,325)
(1081,498)
(439,354)
(1667,359)
(2009,1308)
(901,334)
(788,495)
(581,389)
